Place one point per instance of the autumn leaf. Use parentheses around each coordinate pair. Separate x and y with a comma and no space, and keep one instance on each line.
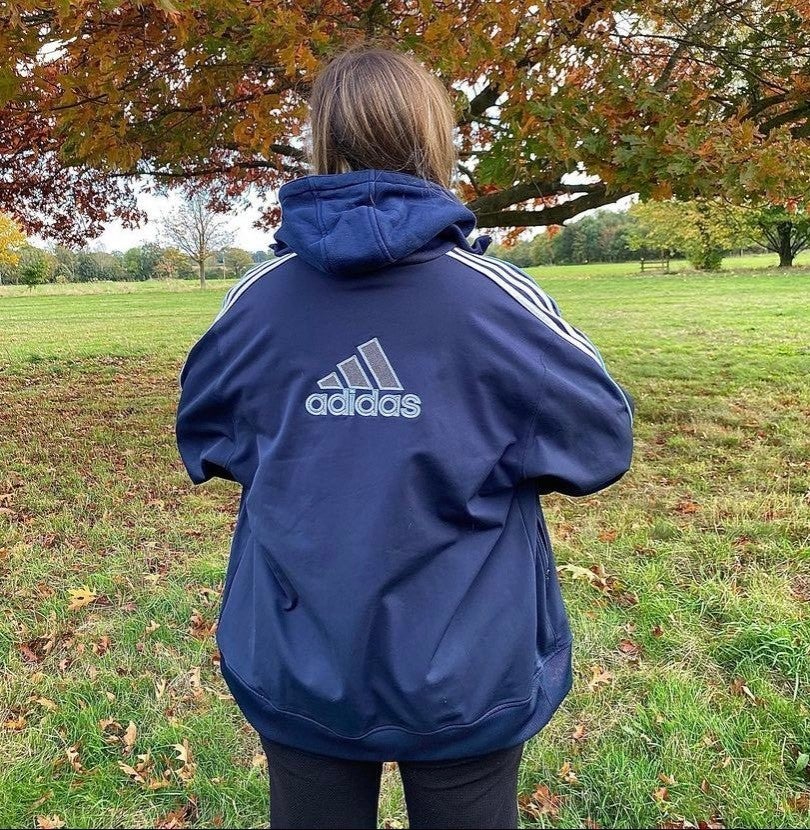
(567,773)
(179,818)
(15,724)
(577,572)
(661,795)
(800,803)
(200,628)
(739,687)
(542,802)
(80,597)
(49,822)
(131,772)
(630,649)
(599,677)
(101,646)
(579,732)
(187,768)
(129,738)
(72,753)
(28,654)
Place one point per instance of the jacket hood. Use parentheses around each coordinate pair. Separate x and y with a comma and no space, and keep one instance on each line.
(346,223)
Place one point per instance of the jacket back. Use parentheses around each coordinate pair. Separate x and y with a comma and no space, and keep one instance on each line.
(392,402)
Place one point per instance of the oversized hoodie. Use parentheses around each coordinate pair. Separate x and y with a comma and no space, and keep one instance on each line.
(393,403)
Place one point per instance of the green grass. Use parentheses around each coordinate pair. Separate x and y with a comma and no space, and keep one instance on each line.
(704,549)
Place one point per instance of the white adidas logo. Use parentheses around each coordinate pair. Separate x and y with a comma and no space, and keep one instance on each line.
(358,394)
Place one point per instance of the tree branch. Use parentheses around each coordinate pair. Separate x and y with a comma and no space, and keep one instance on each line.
(553,215)
(538,189)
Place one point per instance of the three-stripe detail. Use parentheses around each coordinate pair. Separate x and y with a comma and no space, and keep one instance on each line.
(522,288)
(353,372)
(249,278)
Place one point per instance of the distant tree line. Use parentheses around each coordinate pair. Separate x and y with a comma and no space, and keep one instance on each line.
(33,266)
(702,231)
(599,237)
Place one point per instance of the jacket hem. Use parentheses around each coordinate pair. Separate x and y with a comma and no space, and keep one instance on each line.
(503,726)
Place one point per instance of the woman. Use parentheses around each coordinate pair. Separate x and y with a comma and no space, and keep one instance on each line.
(392,402)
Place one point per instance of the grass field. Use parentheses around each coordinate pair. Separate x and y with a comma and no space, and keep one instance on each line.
(688,583)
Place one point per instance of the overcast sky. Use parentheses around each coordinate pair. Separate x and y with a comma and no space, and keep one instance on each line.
(118,238)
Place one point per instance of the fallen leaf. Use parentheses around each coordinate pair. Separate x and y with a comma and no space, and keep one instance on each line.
(101,646)
(608,535)
(131,772)
(200,627)
(49,822)
(542,802)
(739,687)
(579,732)
(599,677)
(661,795)
(800,803)
(567,773)
(80,597)
(179,818)
(187,768)
(28,654)
(72,753)
(130,736)
(15,723)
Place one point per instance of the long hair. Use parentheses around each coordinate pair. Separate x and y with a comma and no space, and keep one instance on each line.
(381,110)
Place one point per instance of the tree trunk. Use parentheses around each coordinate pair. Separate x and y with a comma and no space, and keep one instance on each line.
(785,248)
(201,263)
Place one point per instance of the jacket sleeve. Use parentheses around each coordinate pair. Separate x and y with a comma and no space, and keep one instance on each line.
(205,425)
(580,437)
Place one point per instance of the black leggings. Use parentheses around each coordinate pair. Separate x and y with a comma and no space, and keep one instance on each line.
(317,791)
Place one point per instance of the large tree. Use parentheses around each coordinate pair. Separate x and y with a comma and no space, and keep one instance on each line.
(783,230)
(703,229)
(680,97)
(196,231)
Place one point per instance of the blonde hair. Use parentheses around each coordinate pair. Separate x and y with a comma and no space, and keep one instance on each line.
(376,109)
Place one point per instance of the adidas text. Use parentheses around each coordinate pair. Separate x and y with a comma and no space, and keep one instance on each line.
(364,402)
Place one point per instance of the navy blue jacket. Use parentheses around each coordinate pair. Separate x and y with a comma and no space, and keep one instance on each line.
(392,402)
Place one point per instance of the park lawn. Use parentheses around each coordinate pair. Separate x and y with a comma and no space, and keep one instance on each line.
(692,673)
